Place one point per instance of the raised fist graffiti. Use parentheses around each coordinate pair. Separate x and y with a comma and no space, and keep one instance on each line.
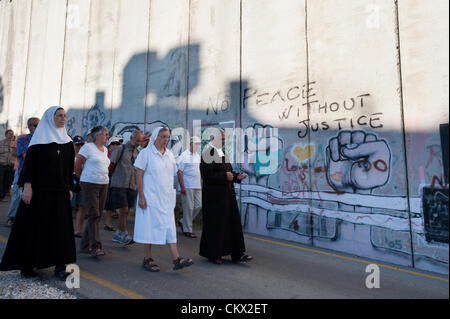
(357,162)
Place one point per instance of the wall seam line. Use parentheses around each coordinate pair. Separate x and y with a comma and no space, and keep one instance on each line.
(63,55)
(188,62)
(308,117)
(402,117)
(147,76)
(27,68)
(87,62)
(240,88)
(114,63)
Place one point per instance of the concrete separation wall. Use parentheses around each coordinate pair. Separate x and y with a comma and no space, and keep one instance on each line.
(354,95)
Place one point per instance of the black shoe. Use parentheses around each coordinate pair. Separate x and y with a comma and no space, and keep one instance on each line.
(242,259)
(61,273)
(29,273)
(108,228)
(218,261)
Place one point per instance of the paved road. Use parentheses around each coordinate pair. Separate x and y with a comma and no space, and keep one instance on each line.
(280,270)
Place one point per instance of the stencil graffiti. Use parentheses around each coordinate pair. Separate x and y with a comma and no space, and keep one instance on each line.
(435,214)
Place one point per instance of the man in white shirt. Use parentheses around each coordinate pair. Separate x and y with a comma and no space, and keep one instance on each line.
(190,184)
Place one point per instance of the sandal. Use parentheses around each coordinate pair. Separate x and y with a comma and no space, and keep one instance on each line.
(150,265)
(109,228)
(97,252)
(243,258)
(10,222)
(190,235)
(216,261)
(181,263)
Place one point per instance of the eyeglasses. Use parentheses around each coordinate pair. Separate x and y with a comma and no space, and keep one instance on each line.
(115,143)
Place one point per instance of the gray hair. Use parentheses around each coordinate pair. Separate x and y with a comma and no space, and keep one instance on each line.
(96,131)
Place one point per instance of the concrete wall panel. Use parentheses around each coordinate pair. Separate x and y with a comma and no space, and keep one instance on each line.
(214,61)
(5,26)
(100,64)
(130,75)
(18,60)
(43,81)
(355,109)
(75,64)
(168,63)
(425,98)
(274,71)
(13,32)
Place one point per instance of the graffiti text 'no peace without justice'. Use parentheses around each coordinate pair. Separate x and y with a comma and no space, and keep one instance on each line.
(308,100)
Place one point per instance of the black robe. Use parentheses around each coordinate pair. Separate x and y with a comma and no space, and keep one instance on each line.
(42,235)
(222,230)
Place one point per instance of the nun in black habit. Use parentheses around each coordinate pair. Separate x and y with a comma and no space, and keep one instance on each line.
(222,230)
(42,235)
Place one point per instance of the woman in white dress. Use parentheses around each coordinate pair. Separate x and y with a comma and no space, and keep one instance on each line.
(155,219)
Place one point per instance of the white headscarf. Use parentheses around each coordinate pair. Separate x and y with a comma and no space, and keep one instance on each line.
(155,135)
(47,132)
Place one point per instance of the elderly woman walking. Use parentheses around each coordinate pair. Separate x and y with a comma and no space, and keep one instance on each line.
(42,235)
(91,167)
(155,219)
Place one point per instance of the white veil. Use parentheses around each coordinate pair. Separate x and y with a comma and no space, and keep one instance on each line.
(155,135)
(47,132)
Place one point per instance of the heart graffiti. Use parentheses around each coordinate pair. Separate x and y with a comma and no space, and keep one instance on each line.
(303,153)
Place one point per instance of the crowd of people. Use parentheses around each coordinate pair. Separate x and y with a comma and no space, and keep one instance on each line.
(53,174)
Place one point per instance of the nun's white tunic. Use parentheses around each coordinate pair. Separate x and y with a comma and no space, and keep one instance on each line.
(156,223)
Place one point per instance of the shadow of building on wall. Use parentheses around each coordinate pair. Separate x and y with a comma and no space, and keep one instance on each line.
(154,90)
